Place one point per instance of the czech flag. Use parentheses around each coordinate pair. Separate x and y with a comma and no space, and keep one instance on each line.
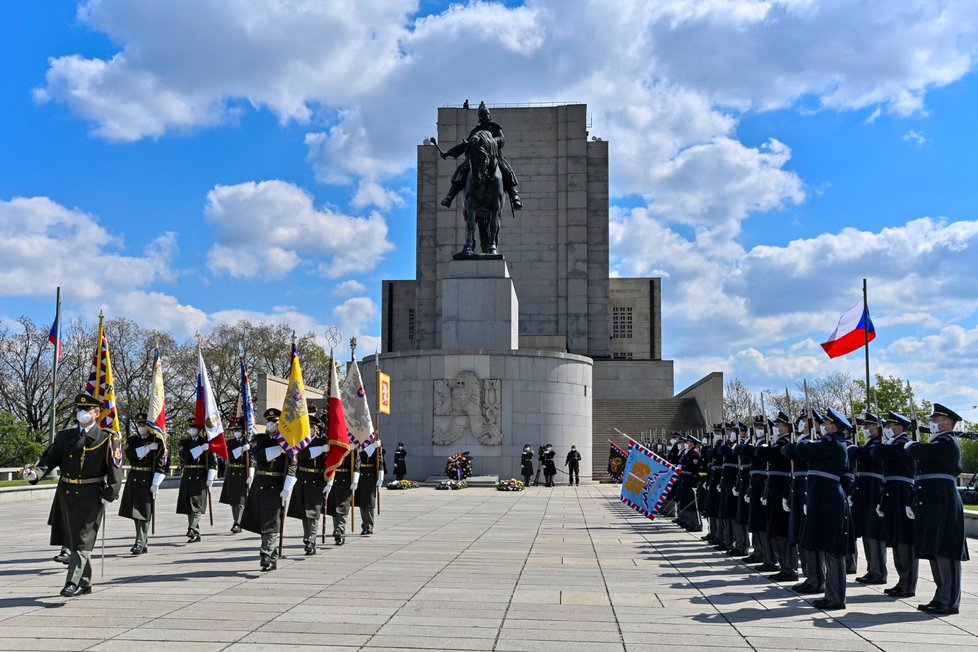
(54,337)
(206,416)
(851,333)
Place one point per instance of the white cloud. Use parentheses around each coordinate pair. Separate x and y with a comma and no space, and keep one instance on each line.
(269,228)
(915,137)
(350,287)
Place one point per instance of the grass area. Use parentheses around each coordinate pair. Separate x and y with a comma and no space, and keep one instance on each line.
(971,508)
(22,483)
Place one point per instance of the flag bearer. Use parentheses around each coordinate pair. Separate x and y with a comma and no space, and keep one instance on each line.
(148,465)
(898,473)
(235,489)
(307,502)
(372,471)
(199,471)
(344,485)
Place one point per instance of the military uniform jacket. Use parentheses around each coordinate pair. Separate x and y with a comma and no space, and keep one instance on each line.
(367,489)
(192,497)
(756,510)
(689,476)
(235,488)
(713,481)
(898,473)
(338,500)
(728,480)
(263,506)
(549,466)
(137,501)
(745,453)
(777,486)
(797,492)
(673,455)
(938,511)
(526,462)
(867,490)
(400,462)
(88,474)
(307,497)
(828,526)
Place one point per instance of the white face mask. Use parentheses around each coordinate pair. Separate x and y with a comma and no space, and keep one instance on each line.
(776,431)
(142,430)
(192,432)
(672,442)
(801,425)
(84,417)
(934,428)
(271,426)
(236,434)
(732,436)
(888,432)
(824,430)
(758,432)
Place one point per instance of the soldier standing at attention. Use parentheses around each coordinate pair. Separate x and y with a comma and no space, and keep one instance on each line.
(372,471)
(526,464)
(938,511)
(199,471)
(235,489)
(91,477)
(400,463)
(345,481)
(898,473)
(307,503)
(777,488)
(549,466)
(273,476)
(866,496)
(573,464)
(148,465)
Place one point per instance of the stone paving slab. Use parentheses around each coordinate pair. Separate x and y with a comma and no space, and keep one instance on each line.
(546,569)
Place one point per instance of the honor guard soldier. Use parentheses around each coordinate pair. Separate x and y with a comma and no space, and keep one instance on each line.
(400,461)
(344,485)
(734,535)
(898,527)
(91,476)
(754,499)
(526,464)
(307,501)
(689,478)
(938,511)
(148,466)
(777,489)
(372,469)
(549,465)
(573,464)
(867,494)
(714,468)
(675,450)
(828,524)
(235,489)
(812,563)
(272,477)
(199,471)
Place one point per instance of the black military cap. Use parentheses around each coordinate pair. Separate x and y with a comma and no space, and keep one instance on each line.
(675,434)
(83,400)
(839,419)
(140,417)
(312,409)
(693,439)
(236,422)
(782,417)
(314,420)
(869,420)
(272,414)
(818,417)
(896,417)
(941,411)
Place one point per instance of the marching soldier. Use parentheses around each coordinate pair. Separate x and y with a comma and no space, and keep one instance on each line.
(148,466)
(776,487)
(199,471)
(91,477)
(235,489)
(346,478)
(812,562)
(526,464)
(307,502)
(372,469)
(573,464)
(938,512)
(898,472)
(272,477)
(400,462)
(866,496)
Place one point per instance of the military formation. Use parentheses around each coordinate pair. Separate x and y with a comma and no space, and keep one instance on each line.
(794,495)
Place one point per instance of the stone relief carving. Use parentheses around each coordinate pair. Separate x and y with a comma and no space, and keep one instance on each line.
(467,406)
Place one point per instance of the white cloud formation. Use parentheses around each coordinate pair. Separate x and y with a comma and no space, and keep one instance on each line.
(350,287)
(267,229)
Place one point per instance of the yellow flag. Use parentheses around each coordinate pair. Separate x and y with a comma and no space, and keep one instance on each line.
(101,387)
(293,425)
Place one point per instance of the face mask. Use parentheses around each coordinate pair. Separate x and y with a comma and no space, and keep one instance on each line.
(934,428)
(758,432)
(776,431)
(801,425)
(192,432)
(889,433)
(236,434)
(672,442)
(823,430)
(573,449)
(142,430)
(732,437)
(271,426)
(84,417)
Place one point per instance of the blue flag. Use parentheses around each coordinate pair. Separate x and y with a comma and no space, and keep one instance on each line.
(647,480)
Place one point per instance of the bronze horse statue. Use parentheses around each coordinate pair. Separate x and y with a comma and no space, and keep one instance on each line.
(483,193)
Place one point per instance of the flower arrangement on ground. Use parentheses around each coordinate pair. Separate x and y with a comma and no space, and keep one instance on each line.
(402,484)
(451,485)
(459,466)
(510,485)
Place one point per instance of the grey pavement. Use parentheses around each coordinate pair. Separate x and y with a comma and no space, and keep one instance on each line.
(545,569)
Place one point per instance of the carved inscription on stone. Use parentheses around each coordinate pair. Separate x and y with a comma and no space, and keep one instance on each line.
(467,406)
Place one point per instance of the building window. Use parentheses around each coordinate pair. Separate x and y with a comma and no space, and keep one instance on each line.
(411,325)
(621,355)
(621,323)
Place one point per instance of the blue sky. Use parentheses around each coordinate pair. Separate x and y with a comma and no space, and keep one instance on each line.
(765,157)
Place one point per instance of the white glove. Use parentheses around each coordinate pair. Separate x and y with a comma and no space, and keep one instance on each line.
(764,501)
(879,511)
(285,493)
(849,500)
(29,474)
(211,474)
(157,481)
(153,446)
(747,499)
(909,444)
(287,489)
(152,490)
(804,510)
(316,451)
(105,501)
(329,485)
(785,506)
(380,480)
(734,491)
(909,511)
(251,476)
(246,447)
(272,452)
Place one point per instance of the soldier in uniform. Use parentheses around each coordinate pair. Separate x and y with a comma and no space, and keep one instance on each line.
(689,463)
(714,461)
(549,466)
(828,526)
(235,489)
(867,494)
(199,471)
(938,511)
(148,466)
(898,527)
(272,476)
(732,535)
(510,183)
(90,460)
(573,464)
(777,488)
(372,469)
(400,462)
(340,492)
(307,502)
(744,454)
(757,502)
(812,561)
(526,464)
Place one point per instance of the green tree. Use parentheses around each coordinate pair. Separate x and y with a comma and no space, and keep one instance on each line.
(18,445)
(890,393)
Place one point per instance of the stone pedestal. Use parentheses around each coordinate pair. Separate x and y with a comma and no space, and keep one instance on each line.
(479,308)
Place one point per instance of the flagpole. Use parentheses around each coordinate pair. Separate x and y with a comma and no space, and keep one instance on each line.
(54,372)
(380,442)
(866,334)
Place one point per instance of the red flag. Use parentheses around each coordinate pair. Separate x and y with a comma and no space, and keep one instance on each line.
(336,432)
(206,416)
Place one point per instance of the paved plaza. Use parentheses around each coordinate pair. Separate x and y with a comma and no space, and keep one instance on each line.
(546,569)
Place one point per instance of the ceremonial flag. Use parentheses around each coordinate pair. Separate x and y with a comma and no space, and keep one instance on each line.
(647,480)
(206,415)
(337,434)
(617,456)
(357,411)
(156,414)
(245,408)
(383,393)
(293,426)
(54,337)
(851,332)
(101,387)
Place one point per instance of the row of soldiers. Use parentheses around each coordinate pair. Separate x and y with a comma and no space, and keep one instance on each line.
(798,493)
(262,486)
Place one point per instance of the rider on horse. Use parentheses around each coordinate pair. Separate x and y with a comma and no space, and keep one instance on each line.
(510,182)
